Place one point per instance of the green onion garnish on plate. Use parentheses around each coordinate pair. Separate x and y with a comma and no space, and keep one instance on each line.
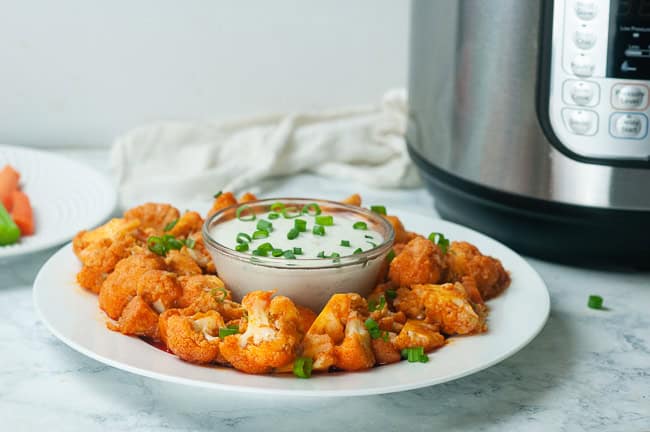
(595,302)
(170,226)
(243,238)
(289,254)
(274,216)
(325,220)
(260,234)
(277,207)
(297,251)
(379,209)
(302,367)
(241,247)
(228,331)
(291,212)
(318,230)
(357,251)
(264,225)
(300,225)
(345,243)
(312,209)
(293,234)
(440,240)
(415,355)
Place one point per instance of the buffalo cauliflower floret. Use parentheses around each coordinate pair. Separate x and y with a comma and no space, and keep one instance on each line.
(194,338)
(195,286)
(329,341)
(137,319)
(271,338)
(446,305)
(247,197)
(420,262)
(226,199)
(153,215)
(159,288)
(401,235)
(419,334)
(353,200)
(199,253)
(191,222)
(181,263)
(464,259)
(121,286)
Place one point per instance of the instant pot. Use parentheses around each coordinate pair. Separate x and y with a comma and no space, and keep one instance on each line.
(529,121)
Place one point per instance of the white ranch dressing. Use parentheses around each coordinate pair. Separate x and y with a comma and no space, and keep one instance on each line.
(311,244)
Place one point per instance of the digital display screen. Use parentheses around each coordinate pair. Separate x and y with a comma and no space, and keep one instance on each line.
(629,39)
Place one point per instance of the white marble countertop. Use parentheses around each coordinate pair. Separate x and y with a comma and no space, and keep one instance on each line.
(587,370)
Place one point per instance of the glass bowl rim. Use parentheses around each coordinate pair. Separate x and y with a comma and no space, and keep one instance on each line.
(303,263)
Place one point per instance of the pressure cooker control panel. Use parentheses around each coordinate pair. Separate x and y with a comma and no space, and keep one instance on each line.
(599,102)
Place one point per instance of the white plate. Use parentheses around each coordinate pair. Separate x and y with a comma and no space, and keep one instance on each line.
(516,317)
(66,197)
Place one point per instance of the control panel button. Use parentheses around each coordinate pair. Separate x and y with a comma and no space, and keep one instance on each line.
(628,125)
(629,96)
(582,65)
(581,122)
(584,38)
(586,9)
(583,93)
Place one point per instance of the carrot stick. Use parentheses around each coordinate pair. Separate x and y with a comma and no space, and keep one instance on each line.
(8,184)
(22,213)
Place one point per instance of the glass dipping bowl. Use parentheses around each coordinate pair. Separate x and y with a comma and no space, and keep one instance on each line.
(308,282)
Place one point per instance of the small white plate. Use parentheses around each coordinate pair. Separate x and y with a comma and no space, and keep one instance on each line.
(516,317)
(66,197)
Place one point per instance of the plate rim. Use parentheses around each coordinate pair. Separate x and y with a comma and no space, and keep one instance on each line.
(61,239)
(298,392)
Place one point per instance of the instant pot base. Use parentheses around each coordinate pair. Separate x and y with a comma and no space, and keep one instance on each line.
(553,231)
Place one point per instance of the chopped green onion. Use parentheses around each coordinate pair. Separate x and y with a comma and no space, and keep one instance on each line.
(321,254)
(300,225)
(373,328)
(243,238)
(373,244)
(345,243)
(297,251)
(391,294)
(241,247)
(357,251)
(312,209)
(172,242)
(415,355)
(222,297)
(245,218)
(258,252)
(318,230)
(289,254)
(373,305)
(379,209)
(390,256)
(260,234)
(369,237)
(170,226)
(157,246)
(228,331)
(277,252)
(264,225)
(325,220)
(218,194)
(291,212)
(274,216)
(277,207)
(360,226)
(293,233)
(302,367)
(442,241)
(595,302)
(190,243)
(267,247)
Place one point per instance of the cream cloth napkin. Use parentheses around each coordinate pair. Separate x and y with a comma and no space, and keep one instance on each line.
(183,161)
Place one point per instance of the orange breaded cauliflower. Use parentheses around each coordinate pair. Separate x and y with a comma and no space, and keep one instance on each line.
(159,289)
(420,262)
(446,305)
(153,215)
(191,222)
(137,319)
(195,286)
(194,338)
(199,253)
(401,235)
(101,249)
(271,338)
(247,197)
(464,259)
(224,200)
(354,200)
(182,263)
(121,286)
(419,334)
(338,337)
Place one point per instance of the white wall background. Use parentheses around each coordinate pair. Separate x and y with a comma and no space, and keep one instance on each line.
(78,72)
